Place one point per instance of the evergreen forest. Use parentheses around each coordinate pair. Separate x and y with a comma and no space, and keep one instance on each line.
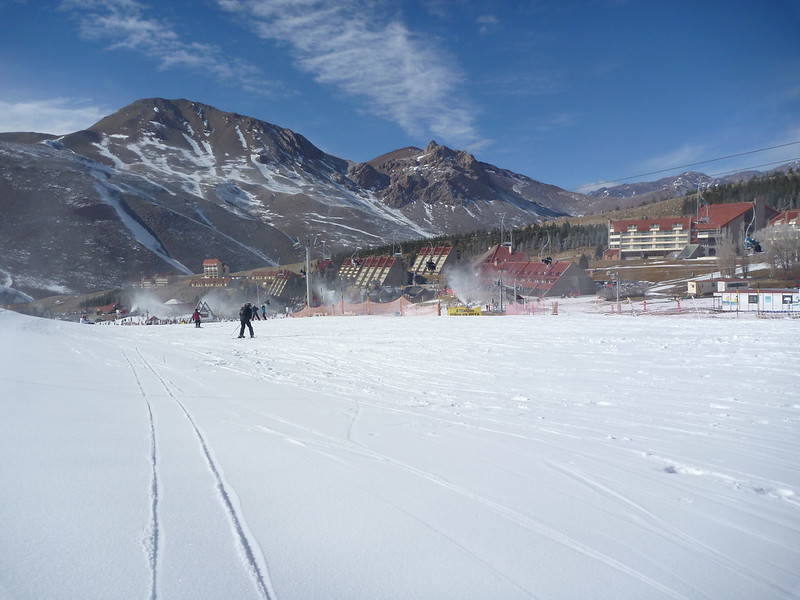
(544,238)
(780,190)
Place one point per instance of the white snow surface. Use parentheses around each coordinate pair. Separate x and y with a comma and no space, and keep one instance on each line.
(550,456)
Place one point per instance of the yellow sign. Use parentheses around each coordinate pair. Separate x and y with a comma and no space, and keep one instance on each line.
(463,311)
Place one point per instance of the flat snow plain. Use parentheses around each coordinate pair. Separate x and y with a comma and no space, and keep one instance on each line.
(550,456)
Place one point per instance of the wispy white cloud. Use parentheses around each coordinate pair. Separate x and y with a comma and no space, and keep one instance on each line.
(487,23)
(651,169)
(757,153)
(124,24)
(557,121)
(524,85)
(56,115)
(592,185)
(352,46)
(688,153)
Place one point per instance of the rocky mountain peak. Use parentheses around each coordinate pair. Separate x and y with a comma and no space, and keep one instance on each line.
(434,153)
(434,175)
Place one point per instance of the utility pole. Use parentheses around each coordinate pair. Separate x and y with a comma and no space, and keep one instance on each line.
(615,275)
(499,283)
(308,276)
(307,247)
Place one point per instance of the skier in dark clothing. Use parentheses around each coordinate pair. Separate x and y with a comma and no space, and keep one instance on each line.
(245,314)
(196,318)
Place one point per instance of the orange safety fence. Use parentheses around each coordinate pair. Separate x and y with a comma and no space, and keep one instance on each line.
(523,309)
(400,307)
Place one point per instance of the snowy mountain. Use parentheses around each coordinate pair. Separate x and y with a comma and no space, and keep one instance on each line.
(668,187)
(161,185)
(437,177)
(675,186)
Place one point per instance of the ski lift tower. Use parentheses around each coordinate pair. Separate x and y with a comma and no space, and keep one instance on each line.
(510,243)
(543,248)
(700,204)
(309,243)
(499,283)
(398,253)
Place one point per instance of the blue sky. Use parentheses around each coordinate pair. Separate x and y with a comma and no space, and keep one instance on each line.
(567,92)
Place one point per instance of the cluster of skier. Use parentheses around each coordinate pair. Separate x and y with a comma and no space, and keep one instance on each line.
(249,312)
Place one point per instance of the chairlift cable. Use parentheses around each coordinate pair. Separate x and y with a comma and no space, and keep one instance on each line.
(710,160)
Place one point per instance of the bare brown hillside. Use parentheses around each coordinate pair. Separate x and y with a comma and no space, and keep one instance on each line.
(663,208)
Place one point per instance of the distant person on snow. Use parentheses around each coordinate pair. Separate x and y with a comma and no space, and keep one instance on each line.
(85,321)
(196,318)
(255,312)
(245,314)
(264,311)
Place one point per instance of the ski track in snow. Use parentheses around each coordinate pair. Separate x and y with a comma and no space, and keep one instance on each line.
(151,541)
(346,374)
(251,552)
(658,526)
(473,555)
(499,509)
(325,443)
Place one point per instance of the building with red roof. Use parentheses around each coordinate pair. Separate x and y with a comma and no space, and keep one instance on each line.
(210,282)
(645,238)
(280,283)
(787,217)
(214,268)
(502,266)
(736,221)
(636,238)
(432,260)
(373,271)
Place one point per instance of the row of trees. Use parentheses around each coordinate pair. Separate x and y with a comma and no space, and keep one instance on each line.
(782,243)
(781,249)
(548,238)
(781,191)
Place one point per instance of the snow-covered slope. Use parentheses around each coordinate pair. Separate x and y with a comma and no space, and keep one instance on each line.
(72,224)
(549,457)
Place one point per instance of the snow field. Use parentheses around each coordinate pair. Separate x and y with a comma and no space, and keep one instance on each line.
(569,456)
